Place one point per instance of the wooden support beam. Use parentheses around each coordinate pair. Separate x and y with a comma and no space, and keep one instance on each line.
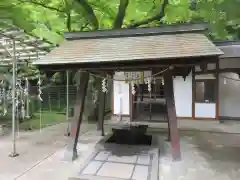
(78,116)
(101,110)
(193,93)
(169,132)
(217,91)
(169,95)
(99,87)
(165,107)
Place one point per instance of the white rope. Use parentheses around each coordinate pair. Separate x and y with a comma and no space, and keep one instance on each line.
(148,80)
(26,94)
(133,79)
(104,85)
(40,99)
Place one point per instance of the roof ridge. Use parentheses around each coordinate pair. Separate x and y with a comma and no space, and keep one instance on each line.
(160,30)
(227,42)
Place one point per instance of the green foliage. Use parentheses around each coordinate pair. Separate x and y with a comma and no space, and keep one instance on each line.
(28,70)
(49,19)
(178,11)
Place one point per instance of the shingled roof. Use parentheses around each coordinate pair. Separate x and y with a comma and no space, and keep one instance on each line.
(124,45)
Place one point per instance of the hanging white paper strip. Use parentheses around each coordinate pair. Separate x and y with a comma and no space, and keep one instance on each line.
(133,88)
(39,89)
(104,85)
(149,84)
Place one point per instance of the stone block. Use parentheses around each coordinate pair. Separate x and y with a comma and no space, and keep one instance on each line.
(116,170)
(143,159)
(92,167)
(140,173)
(102,156)
(123,159)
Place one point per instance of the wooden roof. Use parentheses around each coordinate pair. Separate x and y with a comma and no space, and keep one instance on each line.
(131,48)
(123,46)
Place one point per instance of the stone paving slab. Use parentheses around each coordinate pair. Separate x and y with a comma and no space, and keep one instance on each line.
(121,162)
(116,170)
(207,156)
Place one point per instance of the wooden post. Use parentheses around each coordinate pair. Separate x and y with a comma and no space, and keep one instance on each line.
(98,108)
(169,95)
(217,91)
(165,107)
(169,132)
(169,135)
(101,105)
(193,93)
(101,111)
(76,122)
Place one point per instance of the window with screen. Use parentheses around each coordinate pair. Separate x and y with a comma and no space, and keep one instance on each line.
(206,91)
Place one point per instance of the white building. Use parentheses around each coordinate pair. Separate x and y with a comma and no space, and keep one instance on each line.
(202,95)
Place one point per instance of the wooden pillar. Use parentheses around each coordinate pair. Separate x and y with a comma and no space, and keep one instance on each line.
(131,106)
(169,95)
(169,133)
(217,91)
(78,115)
(101,110)
(165,107)
(193,93)
(98,107)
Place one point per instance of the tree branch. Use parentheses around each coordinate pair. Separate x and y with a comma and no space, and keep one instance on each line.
(69,19)
(91,14)
(84,26)
(121,14)
(151,19)
(193,5)
(42,5)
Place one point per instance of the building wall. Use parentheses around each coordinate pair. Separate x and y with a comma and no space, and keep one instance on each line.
(182,93)
(205,110)
(183,99)
(183,96)
(121,101)
(121,93)
(229,90)
(229,95)
(229,63)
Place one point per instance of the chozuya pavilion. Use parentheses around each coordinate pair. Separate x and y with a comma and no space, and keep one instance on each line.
(140,60)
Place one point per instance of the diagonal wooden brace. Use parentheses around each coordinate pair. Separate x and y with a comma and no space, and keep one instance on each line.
(71,153)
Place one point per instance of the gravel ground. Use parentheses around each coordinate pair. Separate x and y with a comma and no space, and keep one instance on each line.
(207,156)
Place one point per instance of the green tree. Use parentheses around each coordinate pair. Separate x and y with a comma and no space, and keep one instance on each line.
(49,19)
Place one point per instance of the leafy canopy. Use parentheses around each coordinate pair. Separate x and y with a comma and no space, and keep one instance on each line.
(49,19)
